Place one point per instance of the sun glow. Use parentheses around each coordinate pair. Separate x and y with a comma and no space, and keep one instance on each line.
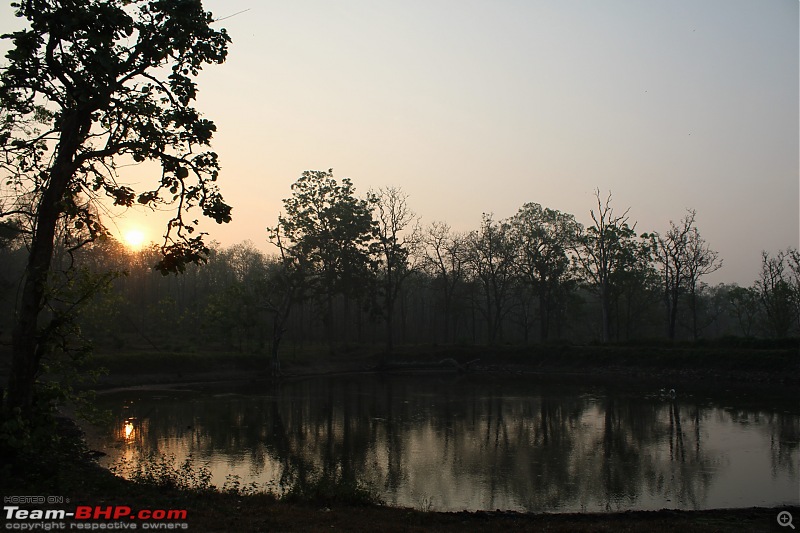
(134,239)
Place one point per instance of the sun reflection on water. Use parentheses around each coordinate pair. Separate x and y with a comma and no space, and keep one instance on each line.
(128,430)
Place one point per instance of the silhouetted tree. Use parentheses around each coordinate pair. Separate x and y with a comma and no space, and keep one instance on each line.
(672,258)
(87,86)
(793,264)
(329,230)
(490,256)
(745,304)
(684,257)
(605,248)
(445,256)
(634,288)
(236,308)
(777,292)
(700,261)
(542,238)
(395,246)
(285,288)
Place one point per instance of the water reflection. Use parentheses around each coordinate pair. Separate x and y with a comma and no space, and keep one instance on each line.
(466,444)
(127,430)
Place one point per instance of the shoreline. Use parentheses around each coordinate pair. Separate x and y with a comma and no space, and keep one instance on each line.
(778,362)
(773,370)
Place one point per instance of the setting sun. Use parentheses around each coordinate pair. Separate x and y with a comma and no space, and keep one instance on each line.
(134,239)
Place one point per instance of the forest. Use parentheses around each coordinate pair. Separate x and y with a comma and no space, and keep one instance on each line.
(364,271)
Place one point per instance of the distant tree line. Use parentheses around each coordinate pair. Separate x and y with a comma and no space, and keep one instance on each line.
(350,270)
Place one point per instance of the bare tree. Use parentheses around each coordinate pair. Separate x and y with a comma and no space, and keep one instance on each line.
(445,259)
(700,261)
(793,262)
(671,257)
(684,257)
(776,291)
(605,248)
(491,259)
(395,246)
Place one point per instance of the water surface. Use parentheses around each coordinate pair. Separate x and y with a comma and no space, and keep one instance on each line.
(447,443)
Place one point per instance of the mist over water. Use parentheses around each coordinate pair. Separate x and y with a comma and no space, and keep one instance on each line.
(446,443)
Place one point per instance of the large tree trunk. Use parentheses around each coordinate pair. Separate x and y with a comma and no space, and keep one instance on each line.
(27,344)
(25,350)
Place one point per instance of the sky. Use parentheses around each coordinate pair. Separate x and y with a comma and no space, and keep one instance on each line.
(475,107)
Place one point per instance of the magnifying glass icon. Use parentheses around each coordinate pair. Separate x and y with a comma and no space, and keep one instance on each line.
(785,519)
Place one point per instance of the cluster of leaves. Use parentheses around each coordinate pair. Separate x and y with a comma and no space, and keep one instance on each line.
(23,437)
(34,447)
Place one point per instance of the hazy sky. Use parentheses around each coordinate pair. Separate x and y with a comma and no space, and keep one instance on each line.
(475,107)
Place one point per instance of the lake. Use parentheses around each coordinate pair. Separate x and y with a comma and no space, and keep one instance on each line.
(451,443)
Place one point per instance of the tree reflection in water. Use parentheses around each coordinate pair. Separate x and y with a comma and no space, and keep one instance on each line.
(453,444)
